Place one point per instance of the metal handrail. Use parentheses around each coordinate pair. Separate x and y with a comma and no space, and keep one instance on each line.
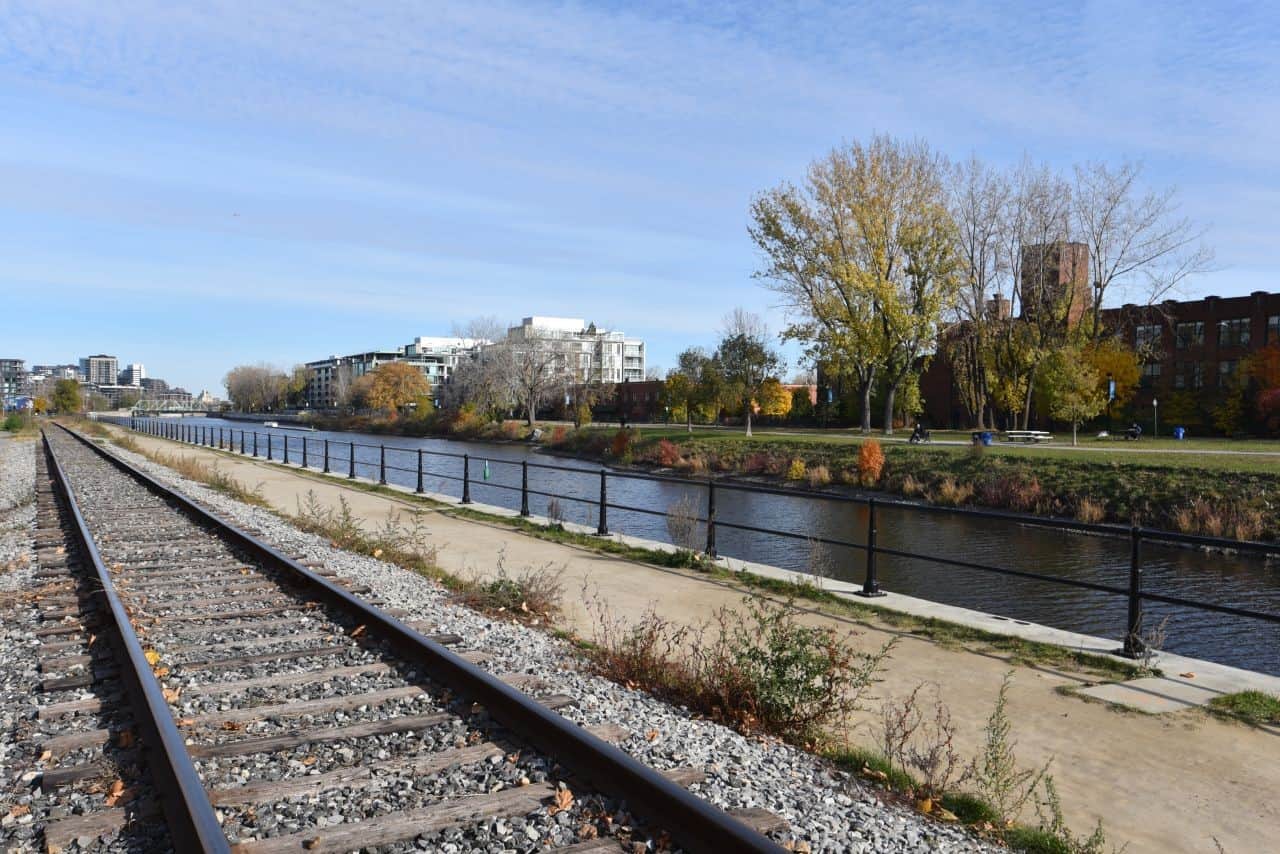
(1134,591)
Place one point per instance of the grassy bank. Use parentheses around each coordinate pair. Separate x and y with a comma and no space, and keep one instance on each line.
(1182,493)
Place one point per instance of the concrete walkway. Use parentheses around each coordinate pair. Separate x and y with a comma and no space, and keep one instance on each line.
(1160,782)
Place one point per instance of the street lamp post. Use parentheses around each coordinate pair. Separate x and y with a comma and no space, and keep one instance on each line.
(1155,418)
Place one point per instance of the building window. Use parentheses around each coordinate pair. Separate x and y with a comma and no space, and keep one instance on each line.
(1150,374)
(1146,336)
(1273,329)
(1234,332)
(1190,334)
(1188,375)
(1226,370)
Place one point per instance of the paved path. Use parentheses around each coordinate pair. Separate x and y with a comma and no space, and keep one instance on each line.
(1168,782)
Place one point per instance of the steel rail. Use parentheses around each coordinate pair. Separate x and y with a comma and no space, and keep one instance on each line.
(193,824)
(691,821)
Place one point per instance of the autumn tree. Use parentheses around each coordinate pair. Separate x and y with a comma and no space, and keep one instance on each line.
(66,396)
(774,400)
(253,388)
(864,257)
(1112,360)
(692,385)
(1069,385)
(395,385)
(745,360)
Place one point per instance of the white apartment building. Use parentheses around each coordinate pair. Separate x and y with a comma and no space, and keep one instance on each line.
(329,380)
(100,369)
(594,355)
(133,375)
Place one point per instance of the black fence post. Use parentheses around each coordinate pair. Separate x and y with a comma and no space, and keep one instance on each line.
(711,519)
(351,463)
(524,487)
(304,451)
(419,490)
(382,464)
(1133,645)
(255,444)
(326,456)
(286,449)
(602,530)
(871,584)
(466,478)
(269,457)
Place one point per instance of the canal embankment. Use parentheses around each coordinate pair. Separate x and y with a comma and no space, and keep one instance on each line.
(1173,781)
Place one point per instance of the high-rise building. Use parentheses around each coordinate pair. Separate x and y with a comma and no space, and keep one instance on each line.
(132,375)
(329,380)
(13,377)
(100,369)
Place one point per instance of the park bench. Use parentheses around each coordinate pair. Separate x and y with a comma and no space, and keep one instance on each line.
(1027,436)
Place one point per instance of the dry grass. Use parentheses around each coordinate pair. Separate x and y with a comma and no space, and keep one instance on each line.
(953,494)
(1090,510)
(682,524)
(1219,520)
(209,475)
(818,475)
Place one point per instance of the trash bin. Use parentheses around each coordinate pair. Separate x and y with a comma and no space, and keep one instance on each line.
(1179,433)
(985,437)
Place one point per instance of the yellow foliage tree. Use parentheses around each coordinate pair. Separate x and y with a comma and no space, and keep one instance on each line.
(395,385)
(1111,358)
(774,400)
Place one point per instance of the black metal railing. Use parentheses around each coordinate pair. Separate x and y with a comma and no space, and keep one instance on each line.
(1133,591)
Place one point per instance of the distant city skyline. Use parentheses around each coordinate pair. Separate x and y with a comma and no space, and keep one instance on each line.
(198,188)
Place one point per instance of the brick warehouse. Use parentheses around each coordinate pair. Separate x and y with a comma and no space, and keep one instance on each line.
(1198,346)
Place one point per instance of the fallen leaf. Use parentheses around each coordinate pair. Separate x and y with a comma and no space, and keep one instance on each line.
(560,801)
(1187,675)
(359,630)
(377,552)
(19,809)
(312,843)
(46,756)
(171,694)
(152,657)
(161,672)
(925,805)
(232,726)
(309,761)
(186,721)
(943,814)
(125,739)
(116,790)
(588,831)
(524,607)
(651,735)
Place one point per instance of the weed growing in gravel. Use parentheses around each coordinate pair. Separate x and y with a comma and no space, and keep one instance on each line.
(394,542)
(532,596)
(756,669)
(1053,836)
(913,740)
(683,525)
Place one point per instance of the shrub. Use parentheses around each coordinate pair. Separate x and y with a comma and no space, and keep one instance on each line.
(532,596)
(911,486)
(697,463)
(667,453)
(620,445)
(870,462)
(776,465)
(511,429)
(818,475)
(995,772)
(757,669)
(756,462)
(796,470)
(682,523)
(559,435)
(925,743)
(555,513)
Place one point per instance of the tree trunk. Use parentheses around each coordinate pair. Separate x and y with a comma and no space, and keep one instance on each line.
(890,394)
(748,412)
(688,418)
(1073,432)
(1026,409)
(866,402)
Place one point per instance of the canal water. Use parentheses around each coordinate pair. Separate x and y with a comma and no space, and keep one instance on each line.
(1239,580)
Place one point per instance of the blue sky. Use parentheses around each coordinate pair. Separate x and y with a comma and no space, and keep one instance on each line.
(197,187)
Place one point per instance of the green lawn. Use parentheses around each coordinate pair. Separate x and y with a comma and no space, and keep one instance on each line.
(1259,456)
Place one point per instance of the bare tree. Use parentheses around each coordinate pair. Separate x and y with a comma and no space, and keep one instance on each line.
(539,366)
(1133,235)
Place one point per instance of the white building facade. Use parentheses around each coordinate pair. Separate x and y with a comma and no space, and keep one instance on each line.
(593,355)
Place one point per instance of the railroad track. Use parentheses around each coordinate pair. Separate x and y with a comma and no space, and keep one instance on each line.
(272,708)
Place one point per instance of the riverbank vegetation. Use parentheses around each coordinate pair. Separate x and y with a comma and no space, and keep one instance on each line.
(1129,490)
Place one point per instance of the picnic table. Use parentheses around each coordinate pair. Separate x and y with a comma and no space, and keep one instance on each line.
(1029,436)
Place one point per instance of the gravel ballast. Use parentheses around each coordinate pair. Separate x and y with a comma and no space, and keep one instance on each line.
(827,809)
